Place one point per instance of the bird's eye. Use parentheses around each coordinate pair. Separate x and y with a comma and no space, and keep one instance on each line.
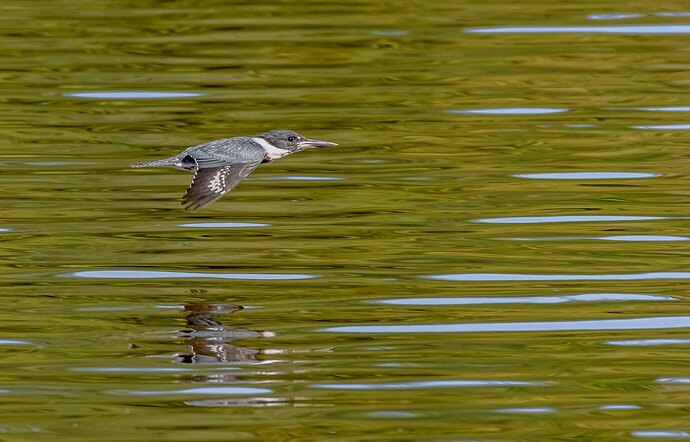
(291,139)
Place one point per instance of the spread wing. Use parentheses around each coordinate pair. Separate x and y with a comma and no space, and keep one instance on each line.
(220,167)
(211,183)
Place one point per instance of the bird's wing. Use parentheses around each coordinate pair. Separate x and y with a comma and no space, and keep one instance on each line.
(210,183)
(227,150)
(218,167)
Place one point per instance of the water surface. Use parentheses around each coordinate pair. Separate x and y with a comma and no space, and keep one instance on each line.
(497,250)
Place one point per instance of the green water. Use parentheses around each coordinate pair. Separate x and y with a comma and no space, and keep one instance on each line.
(497,250)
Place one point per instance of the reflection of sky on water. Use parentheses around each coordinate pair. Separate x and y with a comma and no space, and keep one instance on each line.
(144,274)
(510,111)
(133,94)
(615,16)
(649,342)
(298,178)
(131,369)
(388,414)
(219,225)
(629,15)
(673,14)
(589,297)
(586,175)
(566,219)
(390,32)
(663,322)
(660,434)
(414,385)
(619,29)
(629,238)
(225,390)
(58,163)
(530,410)
(674,380)
(620,407)
(664,109)
(14,342)
(462,277)
(664,127)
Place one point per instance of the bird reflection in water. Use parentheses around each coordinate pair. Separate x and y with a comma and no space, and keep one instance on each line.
(210,342)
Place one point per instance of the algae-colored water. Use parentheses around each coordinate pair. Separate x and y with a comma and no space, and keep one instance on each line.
(497,250)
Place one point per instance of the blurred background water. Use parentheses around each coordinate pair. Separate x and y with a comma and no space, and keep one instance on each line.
(496,251)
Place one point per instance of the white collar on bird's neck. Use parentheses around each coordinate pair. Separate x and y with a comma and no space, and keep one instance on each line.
(272,151)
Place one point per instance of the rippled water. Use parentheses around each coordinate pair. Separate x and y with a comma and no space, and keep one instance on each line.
(496,251)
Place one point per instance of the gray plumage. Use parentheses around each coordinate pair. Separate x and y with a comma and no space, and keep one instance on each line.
(220,165)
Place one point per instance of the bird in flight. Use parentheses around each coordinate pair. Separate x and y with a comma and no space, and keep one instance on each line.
(220,165)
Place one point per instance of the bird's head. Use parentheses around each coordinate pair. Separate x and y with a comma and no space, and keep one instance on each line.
(292,141)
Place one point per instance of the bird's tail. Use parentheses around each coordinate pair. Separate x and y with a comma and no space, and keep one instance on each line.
(158,163)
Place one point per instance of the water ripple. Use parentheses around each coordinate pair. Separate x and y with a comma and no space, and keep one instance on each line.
(533,410)
(664,127)
(673,14)
(664,108)
(510,111)
(662,322)
(195,391)
(391,32)
(527,277)
(674,380)
(130,369)
(228,225)
(137,95)
(58,163)
(565,219)
(299,178)
(387,414)
(620,407)
(628,15)
(589,297)
(631,238)
(615,16)
(660,434)
(14,342)
(649,342)
(586,175)
(643,238)
(620,29)
(241,402)
(143,274)
(427,384)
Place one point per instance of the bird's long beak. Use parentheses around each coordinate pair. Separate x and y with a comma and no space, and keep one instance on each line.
(307,143)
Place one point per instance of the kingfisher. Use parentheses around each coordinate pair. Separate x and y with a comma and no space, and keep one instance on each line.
(220,165)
